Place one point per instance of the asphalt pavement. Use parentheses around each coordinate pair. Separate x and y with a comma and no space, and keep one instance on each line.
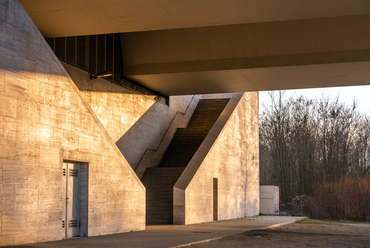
(161,236)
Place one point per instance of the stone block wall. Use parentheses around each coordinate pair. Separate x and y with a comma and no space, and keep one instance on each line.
(44,120)
(234,161)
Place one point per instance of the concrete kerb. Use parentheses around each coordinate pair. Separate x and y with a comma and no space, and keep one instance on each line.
(283,224)
(198,242)
(268,227)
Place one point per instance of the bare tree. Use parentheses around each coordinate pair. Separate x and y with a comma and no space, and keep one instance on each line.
(305,142)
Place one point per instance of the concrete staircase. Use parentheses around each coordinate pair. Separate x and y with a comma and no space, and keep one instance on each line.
(159,181)
(159,196)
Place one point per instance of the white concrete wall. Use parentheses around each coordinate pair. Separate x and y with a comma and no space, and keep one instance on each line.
(234,160)
(44,119)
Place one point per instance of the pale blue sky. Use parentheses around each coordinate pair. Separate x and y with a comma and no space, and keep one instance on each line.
(346,94)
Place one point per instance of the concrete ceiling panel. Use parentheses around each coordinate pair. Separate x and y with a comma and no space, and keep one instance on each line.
(209,46)
(58,18)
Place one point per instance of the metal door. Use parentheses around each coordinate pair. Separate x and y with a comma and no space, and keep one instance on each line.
(71,198)
(215,198)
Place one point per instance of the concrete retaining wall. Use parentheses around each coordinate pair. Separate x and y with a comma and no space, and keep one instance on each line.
(234,160)
(134,121)
(44,119)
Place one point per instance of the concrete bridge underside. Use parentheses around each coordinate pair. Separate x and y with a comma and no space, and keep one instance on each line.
(207,46)
(53,116)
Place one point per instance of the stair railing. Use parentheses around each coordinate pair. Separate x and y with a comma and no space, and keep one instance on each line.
(165,135)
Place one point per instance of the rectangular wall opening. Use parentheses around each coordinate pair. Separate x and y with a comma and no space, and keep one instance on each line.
(75,199)
(215,198)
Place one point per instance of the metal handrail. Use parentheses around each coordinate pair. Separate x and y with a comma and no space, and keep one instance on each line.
(165,135)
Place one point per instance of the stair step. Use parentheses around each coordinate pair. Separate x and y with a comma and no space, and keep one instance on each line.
(159,181)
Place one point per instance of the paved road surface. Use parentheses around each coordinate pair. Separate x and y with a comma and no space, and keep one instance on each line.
(172,235)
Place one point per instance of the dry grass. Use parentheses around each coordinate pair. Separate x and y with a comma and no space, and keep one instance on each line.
(330,222)
(347,199)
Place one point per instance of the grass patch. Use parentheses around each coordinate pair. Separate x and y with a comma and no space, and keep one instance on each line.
(331,222)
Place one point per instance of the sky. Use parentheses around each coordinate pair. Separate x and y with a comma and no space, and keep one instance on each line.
(346,94)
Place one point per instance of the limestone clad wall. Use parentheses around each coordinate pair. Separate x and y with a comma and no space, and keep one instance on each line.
(234,161)
(44,119)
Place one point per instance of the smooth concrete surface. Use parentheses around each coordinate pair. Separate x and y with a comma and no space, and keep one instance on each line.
(173,235)
(81,17)
(225,46)
(290,54)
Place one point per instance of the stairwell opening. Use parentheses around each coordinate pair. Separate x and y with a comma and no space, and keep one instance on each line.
(159,181)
